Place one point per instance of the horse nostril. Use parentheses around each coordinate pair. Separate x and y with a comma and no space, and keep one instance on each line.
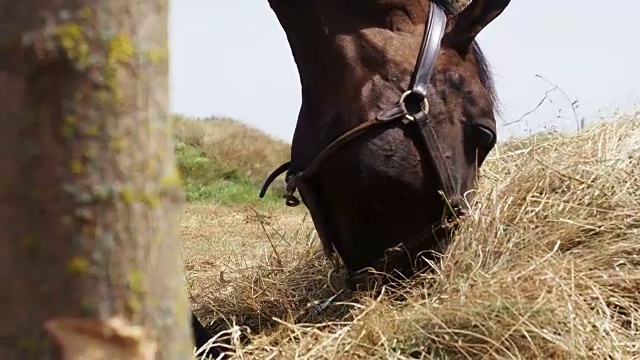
(456,208)
(454,215)
(458,213)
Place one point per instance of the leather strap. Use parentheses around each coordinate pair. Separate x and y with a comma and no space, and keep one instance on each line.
(430,141)
(429,51)
(434,31)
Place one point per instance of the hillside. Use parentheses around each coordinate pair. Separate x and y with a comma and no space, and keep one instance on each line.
(225,161)
(547,267)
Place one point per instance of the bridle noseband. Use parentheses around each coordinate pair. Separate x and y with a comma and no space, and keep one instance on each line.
(404,110)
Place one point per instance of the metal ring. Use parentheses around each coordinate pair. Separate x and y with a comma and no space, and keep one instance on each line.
(291,200)
(425,102)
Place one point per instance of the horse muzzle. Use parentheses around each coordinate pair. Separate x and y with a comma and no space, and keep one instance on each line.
(455,211)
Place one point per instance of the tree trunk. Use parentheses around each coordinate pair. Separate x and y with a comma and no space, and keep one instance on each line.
(89,193)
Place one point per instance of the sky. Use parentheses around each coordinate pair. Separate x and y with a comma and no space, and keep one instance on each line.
(231,58)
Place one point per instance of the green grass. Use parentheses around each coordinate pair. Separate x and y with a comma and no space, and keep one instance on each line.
(223,173)
(207,178)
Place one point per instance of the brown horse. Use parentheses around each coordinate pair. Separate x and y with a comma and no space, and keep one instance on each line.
(397,116)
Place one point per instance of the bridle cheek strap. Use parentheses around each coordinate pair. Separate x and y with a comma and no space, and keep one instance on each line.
(412,99)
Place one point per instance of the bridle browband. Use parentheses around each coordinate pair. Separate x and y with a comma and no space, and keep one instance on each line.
(416,96)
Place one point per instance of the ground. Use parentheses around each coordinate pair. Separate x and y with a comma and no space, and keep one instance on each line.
(548,266)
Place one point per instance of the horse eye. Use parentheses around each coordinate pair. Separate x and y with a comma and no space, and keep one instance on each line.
(483,136)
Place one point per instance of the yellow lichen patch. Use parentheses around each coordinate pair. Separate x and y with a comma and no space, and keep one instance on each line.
(157,238)
(153,168)
(76,167)
(86,13)
(69,123)
(158,55)
(117,143)
(128,195)
(136,281)
(70,120)
(92,150)
(67,131)
(72,39)
(151,199)
(121,49)
(172,179)
(78,265)
(133,304)
(92,130)
(182,307)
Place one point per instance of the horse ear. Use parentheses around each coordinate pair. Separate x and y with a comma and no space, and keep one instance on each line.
(468,23)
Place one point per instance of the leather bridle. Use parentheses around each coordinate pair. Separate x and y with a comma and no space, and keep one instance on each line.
(412,108)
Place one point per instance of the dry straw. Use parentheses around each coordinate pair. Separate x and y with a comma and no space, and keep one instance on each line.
(547,268)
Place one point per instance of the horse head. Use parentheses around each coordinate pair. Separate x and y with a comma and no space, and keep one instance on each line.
(397,116)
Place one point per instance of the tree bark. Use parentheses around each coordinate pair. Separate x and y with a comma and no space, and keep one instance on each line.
(89,194)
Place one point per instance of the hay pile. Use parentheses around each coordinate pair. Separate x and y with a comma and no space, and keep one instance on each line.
(549,267)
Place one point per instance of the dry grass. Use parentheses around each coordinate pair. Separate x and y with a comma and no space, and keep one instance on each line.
(548,267)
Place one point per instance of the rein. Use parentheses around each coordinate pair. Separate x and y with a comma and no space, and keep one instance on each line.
(412,108)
